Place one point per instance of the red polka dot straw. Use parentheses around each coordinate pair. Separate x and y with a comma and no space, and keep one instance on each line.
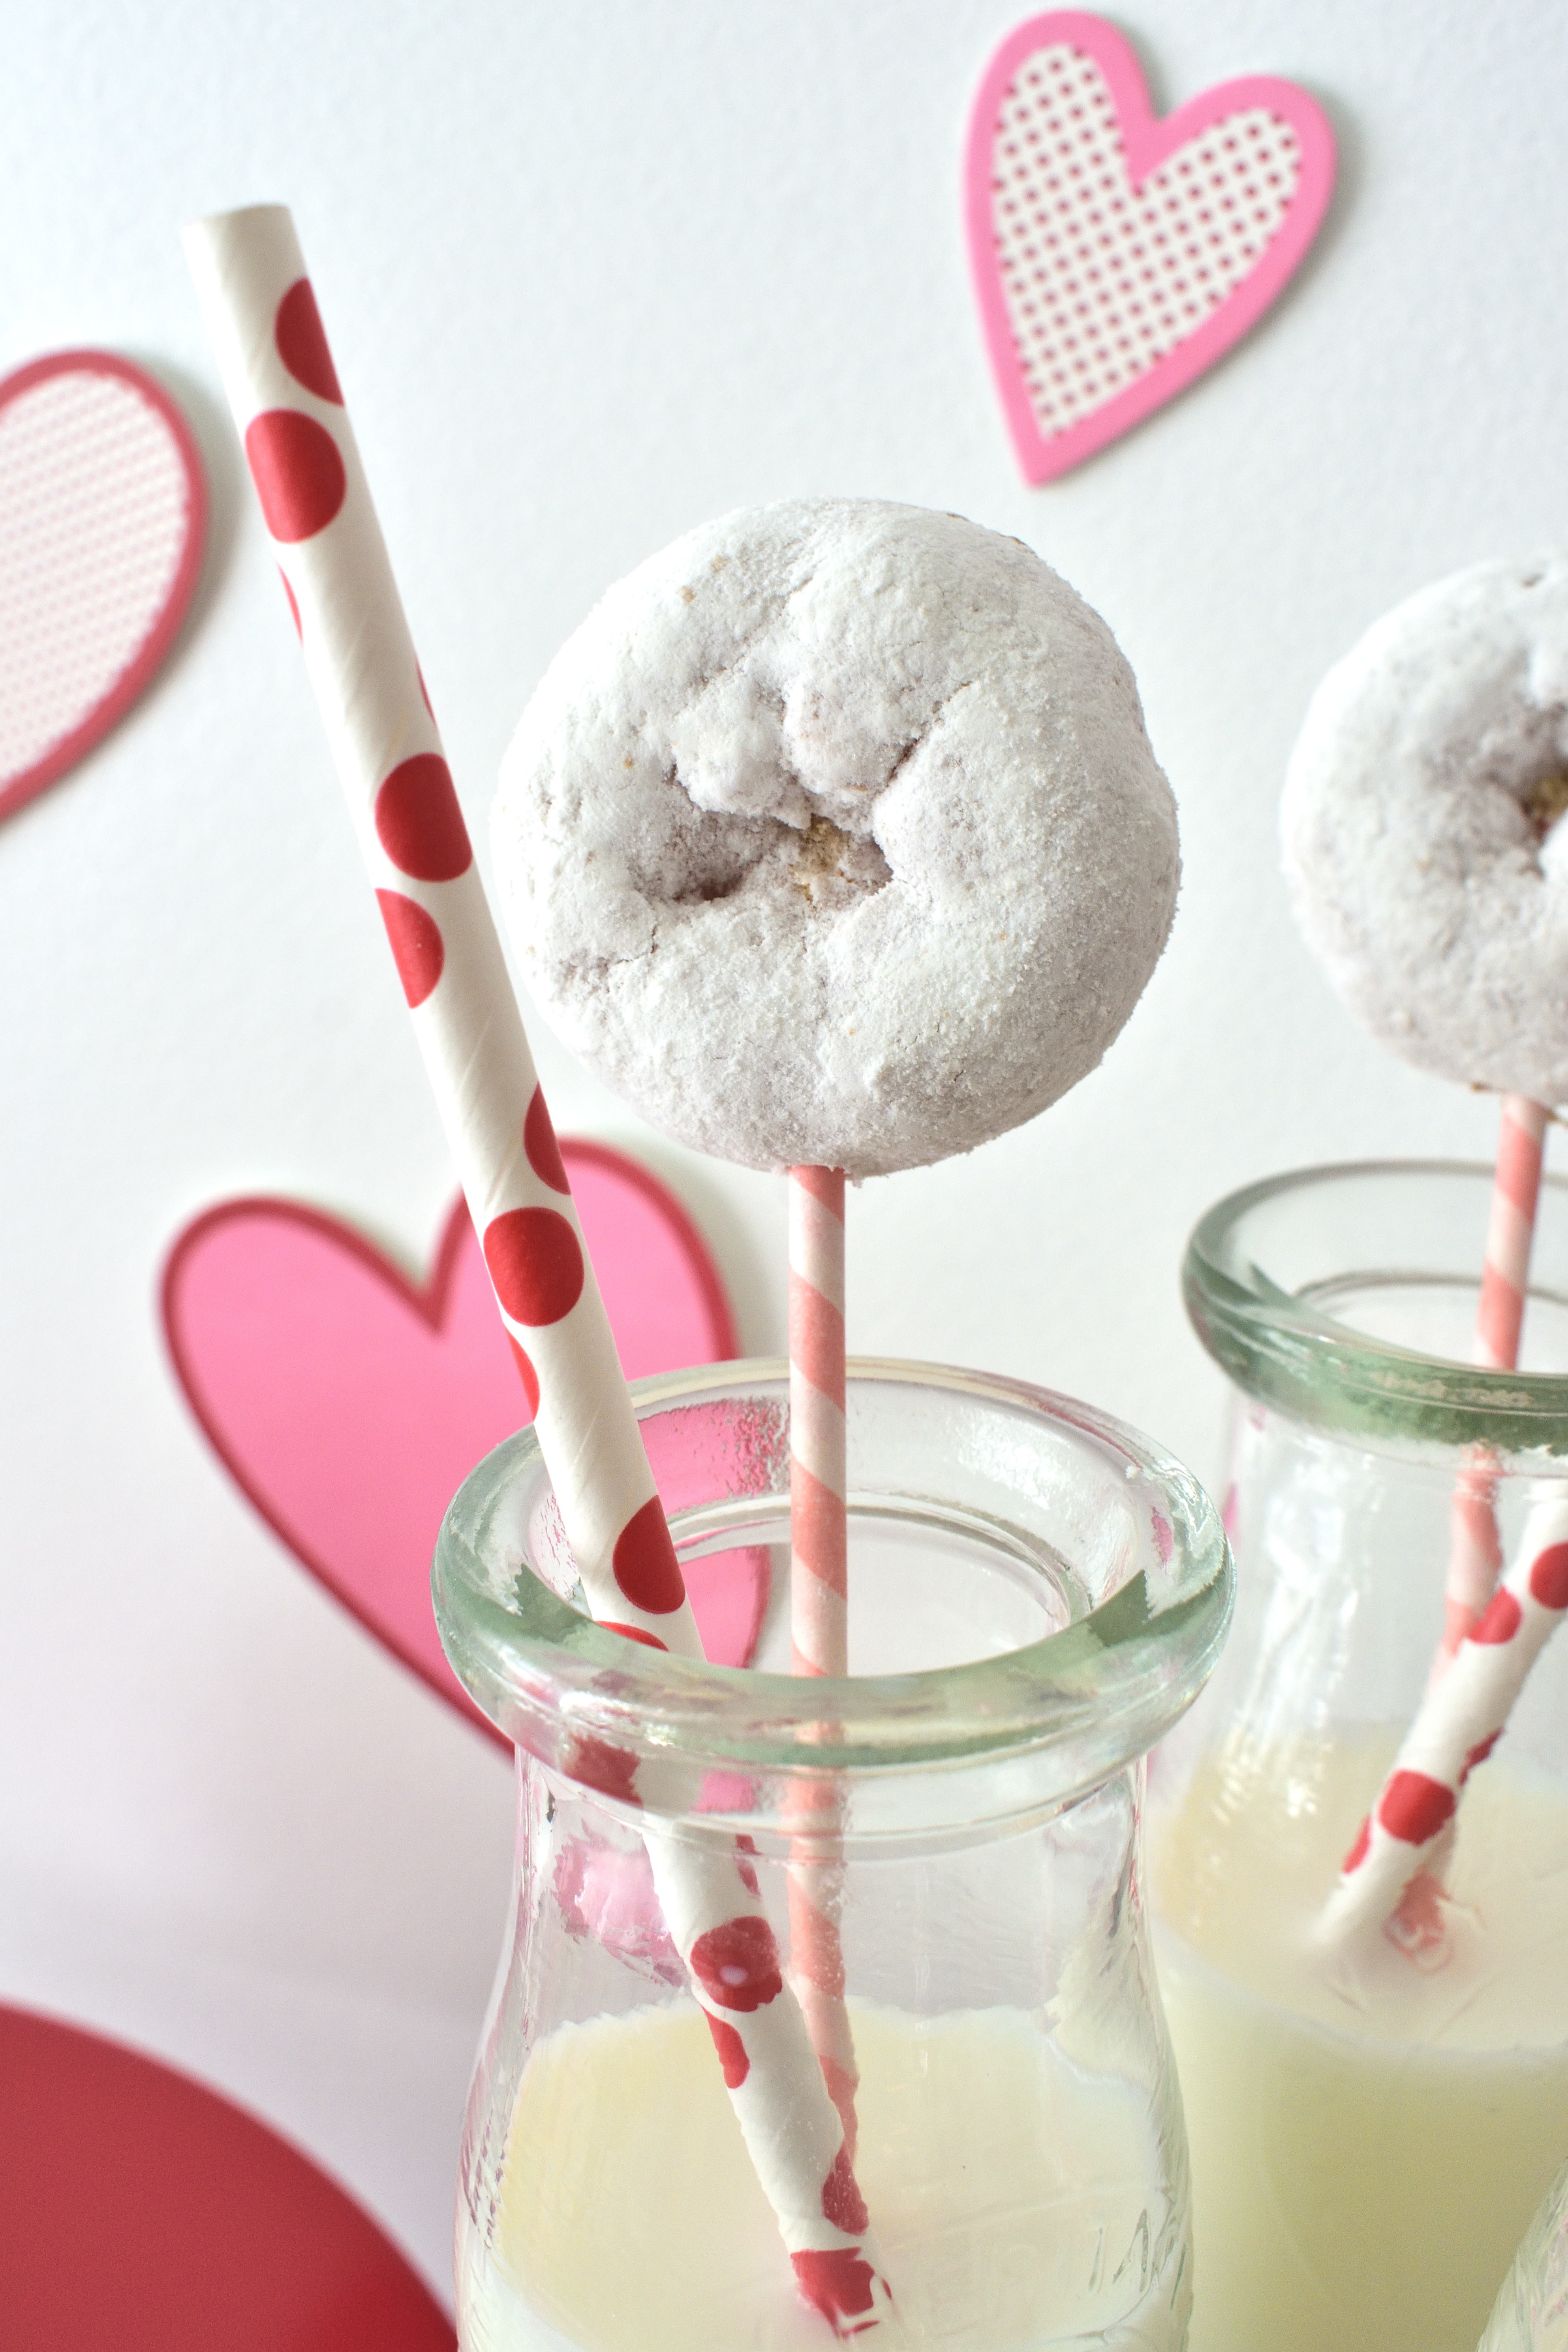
(264,327)
(278,372)
(1456,1729)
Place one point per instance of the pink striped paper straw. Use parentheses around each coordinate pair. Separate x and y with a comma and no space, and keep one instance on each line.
(818,1521)
(1476,1556)
(818,1526)
(262,318)
(1458,1725)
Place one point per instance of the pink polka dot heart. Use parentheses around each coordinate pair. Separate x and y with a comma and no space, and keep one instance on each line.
(102,520)
(1117,256)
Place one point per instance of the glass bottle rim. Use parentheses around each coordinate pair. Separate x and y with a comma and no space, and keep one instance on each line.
(1282,1345)
(1081,1702)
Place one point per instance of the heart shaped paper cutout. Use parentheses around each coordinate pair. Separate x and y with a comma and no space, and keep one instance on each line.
(349,1403)
(102,518)
(143,2211)
(1117,256)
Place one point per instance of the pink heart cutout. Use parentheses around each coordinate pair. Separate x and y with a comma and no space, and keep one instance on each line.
(349,1403)
(1117,256)
(105,507)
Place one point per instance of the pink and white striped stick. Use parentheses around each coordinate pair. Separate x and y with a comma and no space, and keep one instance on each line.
(1476,1555)
(819,1520)
(278,372)
(818,1526)
(1458,1725)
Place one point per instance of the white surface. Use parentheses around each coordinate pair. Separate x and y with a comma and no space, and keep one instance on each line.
(592,274)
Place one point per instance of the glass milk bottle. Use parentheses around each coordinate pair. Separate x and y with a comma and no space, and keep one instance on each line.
(1370,2132)
(1036,1595)
(1531,2315)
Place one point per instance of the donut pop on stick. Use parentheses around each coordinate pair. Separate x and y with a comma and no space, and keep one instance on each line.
(833,839)
(261,316)
(1430,874)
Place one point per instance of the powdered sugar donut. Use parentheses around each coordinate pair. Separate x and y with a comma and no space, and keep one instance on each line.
(1422,844)
(834,836)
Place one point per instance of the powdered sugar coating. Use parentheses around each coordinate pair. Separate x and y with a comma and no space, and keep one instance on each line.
(1422,822)
(834,836)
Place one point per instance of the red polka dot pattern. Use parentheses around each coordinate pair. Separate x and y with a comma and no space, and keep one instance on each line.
(1549,1577)
(298,470)
(536,1264)
(1357,1854)
(731,2051)
(842,2203)
(1414,1806)
(418,822)
(737,1964)
(635,1634)
(302,342)
(525,1374)
(293,603)
(538,1142)
(416,942)
(839,2282)
(1479,1752)
(646,1568)
(1500,1620)
(745,1869)
(600,1764)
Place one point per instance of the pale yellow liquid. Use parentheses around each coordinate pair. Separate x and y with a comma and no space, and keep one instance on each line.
(1014,2195)
(1368,2145)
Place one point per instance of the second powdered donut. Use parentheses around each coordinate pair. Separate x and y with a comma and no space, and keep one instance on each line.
(834,836)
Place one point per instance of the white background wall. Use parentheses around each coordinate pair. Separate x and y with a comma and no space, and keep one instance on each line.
(591,274)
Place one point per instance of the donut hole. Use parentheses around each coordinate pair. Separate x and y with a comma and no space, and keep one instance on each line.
(1544,801)
(832,867)
(683,855)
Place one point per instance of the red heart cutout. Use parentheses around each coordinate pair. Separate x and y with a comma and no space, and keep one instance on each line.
(105,513)
(144,2211)
(1115,256)
(349,1403)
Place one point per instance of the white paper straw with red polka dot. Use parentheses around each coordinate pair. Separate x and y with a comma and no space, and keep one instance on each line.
(803,2156)
(1456,1728)
(819,1620)
(272,351)
(278,374)
(1476,1555)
